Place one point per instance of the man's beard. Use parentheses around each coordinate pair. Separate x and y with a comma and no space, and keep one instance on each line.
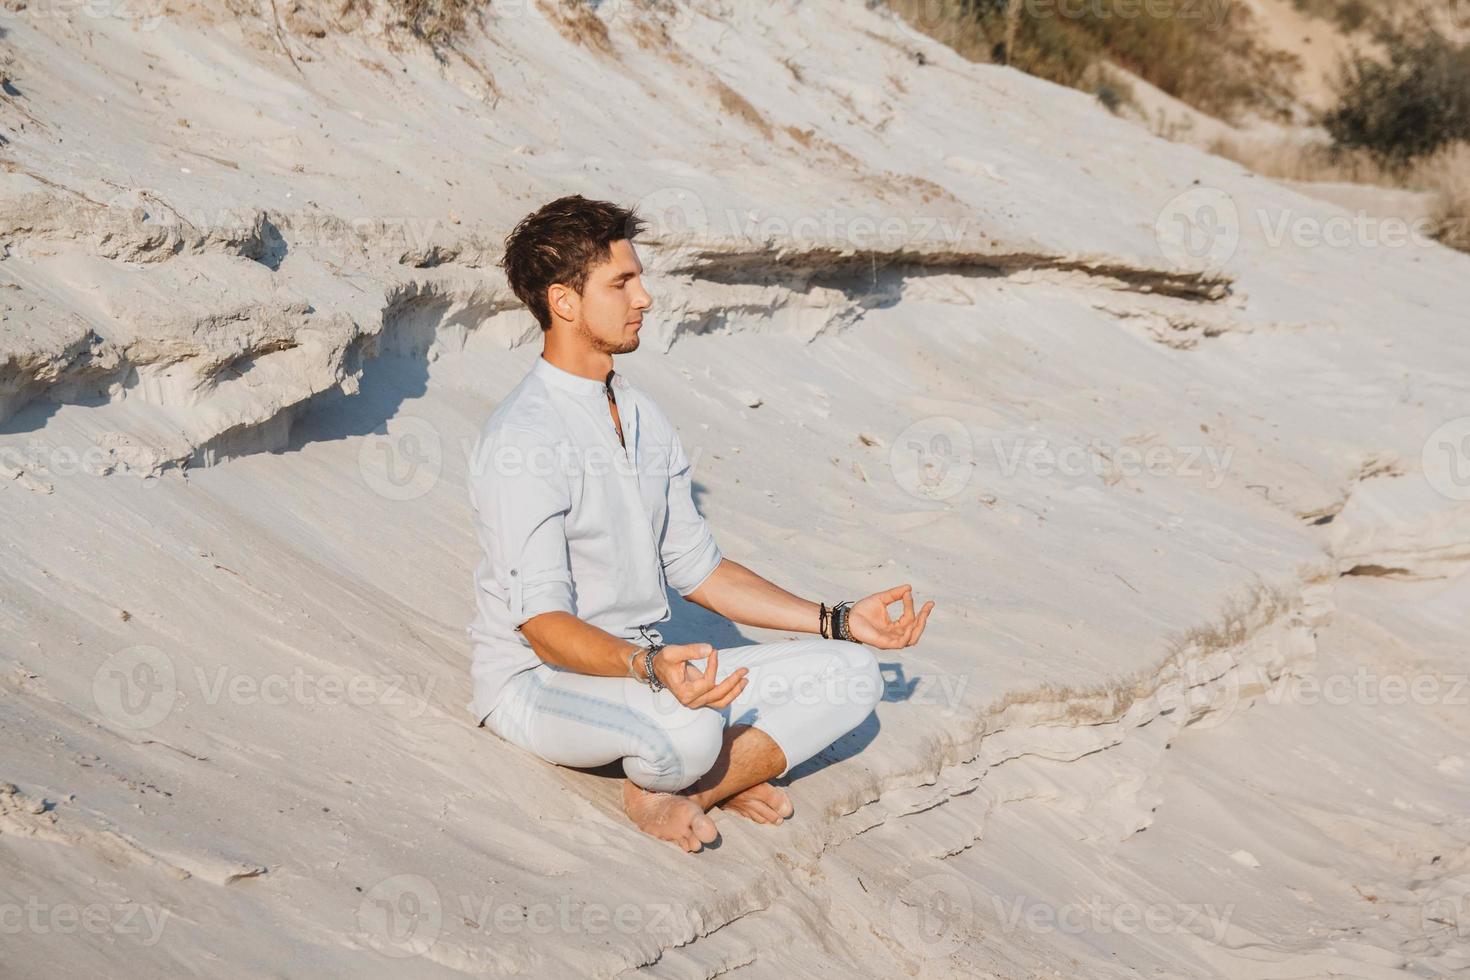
(603,346)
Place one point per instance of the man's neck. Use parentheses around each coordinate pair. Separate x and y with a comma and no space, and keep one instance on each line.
(584,363)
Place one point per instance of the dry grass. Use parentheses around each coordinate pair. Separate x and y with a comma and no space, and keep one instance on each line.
(1239,619)
(1210,58)
(1445,173)
(739,106)
(578,23)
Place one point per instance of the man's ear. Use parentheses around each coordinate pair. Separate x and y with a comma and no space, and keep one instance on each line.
(561,301)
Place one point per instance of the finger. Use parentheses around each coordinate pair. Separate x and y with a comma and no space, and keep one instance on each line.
(721,694)
(908,604)
(729,699)
(699,685)
(688,651)
(710,664)
(918,628)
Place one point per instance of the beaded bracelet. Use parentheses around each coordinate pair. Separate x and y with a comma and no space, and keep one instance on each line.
(653,680)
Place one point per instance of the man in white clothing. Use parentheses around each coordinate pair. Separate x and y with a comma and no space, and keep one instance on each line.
(585,514)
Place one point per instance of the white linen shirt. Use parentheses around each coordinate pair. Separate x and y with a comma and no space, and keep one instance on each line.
(568,519)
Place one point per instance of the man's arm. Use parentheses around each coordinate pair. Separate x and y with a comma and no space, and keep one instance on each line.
(563,640)
(743,597)
(698,571)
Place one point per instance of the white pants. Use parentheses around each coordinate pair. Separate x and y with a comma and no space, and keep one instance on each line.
(804,694)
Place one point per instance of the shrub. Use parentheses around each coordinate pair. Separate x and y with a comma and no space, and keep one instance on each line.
(1204,53)
(1409,106)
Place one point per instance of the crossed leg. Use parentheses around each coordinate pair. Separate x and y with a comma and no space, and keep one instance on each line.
(800,697)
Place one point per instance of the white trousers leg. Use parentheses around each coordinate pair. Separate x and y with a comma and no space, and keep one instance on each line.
(804,694)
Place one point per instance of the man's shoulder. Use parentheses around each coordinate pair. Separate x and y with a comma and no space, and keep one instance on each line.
(526,409)
(525,421)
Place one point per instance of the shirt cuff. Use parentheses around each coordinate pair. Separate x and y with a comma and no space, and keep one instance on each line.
(530,601)
(688,572)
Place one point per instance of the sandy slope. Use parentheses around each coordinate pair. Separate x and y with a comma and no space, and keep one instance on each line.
(241,359)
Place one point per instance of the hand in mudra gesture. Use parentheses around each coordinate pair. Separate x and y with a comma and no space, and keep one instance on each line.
(685,681)
(867,619)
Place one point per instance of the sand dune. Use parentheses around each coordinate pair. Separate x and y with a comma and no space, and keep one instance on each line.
(1125,411)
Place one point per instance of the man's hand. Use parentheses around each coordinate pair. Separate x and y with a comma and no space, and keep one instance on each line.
(693,689)
(868,622)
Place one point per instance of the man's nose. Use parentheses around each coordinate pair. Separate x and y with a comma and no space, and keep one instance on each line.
(642,300)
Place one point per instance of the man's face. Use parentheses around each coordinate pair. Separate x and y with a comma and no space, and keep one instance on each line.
(613,301)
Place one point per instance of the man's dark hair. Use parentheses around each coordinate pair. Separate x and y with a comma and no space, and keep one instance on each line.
(561,242)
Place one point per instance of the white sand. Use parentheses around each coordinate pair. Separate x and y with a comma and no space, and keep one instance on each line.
(234,668)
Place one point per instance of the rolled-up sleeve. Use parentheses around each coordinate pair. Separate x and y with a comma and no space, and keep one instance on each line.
(521,502)
(688,550)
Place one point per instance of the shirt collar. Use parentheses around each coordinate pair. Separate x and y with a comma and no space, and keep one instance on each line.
(568,381)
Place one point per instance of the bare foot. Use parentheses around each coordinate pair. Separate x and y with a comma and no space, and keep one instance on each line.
(762,803)
(668,816)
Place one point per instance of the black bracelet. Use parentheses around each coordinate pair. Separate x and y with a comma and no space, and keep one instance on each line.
(839,621)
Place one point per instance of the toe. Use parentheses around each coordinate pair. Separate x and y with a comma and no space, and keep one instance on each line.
(704,828)
(783,805)
(761,811)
